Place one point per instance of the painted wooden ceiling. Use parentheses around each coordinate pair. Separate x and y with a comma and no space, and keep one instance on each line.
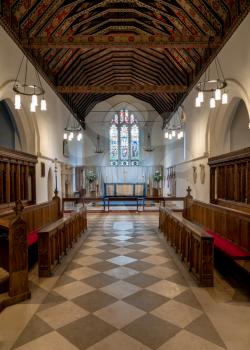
(91,50)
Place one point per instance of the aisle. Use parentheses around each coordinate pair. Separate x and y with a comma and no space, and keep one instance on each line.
(121,291)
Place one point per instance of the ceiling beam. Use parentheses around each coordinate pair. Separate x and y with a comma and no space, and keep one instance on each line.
(123,41)
(121,89)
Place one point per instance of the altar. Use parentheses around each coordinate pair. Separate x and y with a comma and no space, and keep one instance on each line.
(124,189)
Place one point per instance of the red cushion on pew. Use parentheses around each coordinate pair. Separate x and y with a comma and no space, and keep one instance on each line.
(231,249)
(32,237)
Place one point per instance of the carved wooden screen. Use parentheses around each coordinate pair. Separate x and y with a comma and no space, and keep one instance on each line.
(230,177)
(17,177)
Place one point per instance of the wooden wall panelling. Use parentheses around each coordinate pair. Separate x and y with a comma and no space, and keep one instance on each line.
(232,179)
(212,184)
(16,167)
(248,182)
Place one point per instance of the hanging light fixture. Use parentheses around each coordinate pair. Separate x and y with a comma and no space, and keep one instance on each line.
(148,147)
(174,128)
(73,129)
(214,86)
(98,145)
(26,88)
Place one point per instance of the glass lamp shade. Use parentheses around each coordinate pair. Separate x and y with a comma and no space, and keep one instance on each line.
(32,107)
(17,101)
(79,136)
(212,102)
(43,105)
(34,100)
(224,99)
(217,94)
(201,96)
(65,136)
(173,133)
(197,102)
(166,135)
(181,134)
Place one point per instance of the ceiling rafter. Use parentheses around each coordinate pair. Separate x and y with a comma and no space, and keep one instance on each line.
(126,41)
(119,88)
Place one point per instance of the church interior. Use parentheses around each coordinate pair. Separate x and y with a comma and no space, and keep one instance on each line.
(125,174)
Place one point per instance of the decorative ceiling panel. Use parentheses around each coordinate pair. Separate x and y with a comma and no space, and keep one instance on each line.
(138,43)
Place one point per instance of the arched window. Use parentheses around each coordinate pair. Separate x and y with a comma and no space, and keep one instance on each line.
(124,138)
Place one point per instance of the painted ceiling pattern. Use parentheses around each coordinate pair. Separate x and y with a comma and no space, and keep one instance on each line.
(111,20)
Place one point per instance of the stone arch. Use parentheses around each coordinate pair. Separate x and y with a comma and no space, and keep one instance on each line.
(10,136)
(220,120)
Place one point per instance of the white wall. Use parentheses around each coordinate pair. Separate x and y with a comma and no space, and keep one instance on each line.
(207,132)
(41,133)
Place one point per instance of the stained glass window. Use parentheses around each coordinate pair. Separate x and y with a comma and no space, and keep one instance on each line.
(113,137)
(134,142)
(124,137)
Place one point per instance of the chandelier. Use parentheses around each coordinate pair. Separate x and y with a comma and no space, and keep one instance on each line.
(148,147)
(72,130)
(174,129)
(216,88)
(25,88)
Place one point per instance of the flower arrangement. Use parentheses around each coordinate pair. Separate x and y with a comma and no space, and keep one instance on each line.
(91,176)
(157,176)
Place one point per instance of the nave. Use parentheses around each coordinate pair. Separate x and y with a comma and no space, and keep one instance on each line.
(123,287)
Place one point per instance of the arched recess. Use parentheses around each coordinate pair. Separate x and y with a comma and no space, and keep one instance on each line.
(220,120)
(26,123)
(9,134)
(239,132)
(50,184)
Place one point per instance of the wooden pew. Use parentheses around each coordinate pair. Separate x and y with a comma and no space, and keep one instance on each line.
(18,231)
(55,239)
(191,242)
(14,259)
(229,227)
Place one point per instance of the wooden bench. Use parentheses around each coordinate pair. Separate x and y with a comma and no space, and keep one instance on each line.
(229,227)
(191,242)
(36,216)
(18,233)
(13,259)
(55,239)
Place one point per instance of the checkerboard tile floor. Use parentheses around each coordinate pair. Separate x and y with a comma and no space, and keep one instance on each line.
(122,290)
